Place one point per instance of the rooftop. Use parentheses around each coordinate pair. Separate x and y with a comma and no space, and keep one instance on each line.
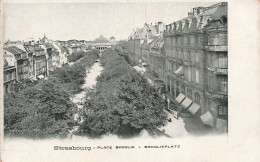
(101,39)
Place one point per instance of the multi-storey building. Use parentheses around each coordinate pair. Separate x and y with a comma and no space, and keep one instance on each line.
(9,76)
(193,62)
(18,58)
(144,35)
(196,63)
(101,43)
(157,58)
(39,59)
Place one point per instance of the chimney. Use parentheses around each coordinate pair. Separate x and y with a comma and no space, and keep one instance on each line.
(171,27)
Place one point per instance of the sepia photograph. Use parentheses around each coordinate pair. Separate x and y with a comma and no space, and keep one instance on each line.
(130,71)
(162,79)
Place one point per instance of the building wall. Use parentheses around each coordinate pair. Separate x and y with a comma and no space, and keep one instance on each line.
(203,55)
(9,78)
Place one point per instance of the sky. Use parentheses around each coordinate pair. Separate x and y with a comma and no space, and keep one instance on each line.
(87,21)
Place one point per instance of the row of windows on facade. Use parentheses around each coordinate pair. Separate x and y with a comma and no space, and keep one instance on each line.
(40,64)
(40,71)
(220,86)
(157,63)
(37,53)
(213,39)
(23,76)
(9,76)
(190,94)
(222,59)
(222,83)
(221,109)
(23,69)
(187,71)
(183,55)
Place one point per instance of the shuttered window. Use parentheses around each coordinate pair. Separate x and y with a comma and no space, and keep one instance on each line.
(223,39)
(223,61)
(197,76)
(223,84)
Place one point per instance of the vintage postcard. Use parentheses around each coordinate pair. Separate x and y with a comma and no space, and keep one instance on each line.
(129,81)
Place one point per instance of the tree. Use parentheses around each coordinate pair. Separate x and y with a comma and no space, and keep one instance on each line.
(124,103)
(43,110)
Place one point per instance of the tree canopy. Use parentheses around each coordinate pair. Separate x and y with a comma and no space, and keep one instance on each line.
(123,103)
(43,108)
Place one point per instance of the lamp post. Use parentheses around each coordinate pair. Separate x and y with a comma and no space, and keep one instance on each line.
(168,101)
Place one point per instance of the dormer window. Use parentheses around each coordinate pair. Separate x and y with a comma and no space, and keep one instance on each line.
(223,19)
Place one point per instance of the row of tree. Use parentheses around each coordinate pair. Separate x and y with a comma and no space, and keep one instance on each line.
(123,103)
(76,56)
(43,109)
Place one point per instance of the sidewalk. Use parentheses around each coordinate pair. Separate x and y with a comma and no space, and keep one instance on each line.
(175,128)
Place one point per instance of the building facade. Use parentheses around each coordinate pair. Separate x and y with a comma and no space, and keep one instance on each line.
(9,77)
(193,60)
(196,63)
(18,58)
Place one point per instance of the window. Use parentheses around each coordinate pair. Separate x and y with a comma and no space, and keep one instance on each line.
(189,93)
(189,74)
(210,81)
(185,40)
(213,39)
(185,55)
(209,59)
(222,110)
(183,89)
(210,105)
(174,53)
(13,75)
(188,56)
(223,61)
(222,38)
(173,66)
(5,77)
(177,84)
(197,97)
(196,57)
(200,40)
(192,39)
(197,76)
(223,84)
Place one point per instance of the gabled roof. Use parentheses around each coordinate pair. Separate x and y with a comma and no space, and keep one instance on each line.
(151,29)
(14,50)
(215,11)
(32,48)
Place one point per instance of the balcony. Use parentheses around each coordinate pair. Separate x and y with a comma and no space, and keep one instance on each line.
(216,48)
(216,94)
(221,71)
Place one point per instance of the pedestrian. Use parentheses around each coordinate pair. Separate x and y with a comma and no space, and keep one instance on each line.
(178,114)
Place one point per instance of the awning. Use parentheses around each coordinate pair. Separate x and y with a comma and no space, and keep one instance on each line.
(179,70)
(180,98)
(186,103)
(40,76)
(194,108)
(221,125)
(207,118)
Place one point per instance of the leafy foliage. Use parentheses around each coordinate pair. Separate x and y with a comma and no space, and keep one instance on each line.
(124,103)
(43,108)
